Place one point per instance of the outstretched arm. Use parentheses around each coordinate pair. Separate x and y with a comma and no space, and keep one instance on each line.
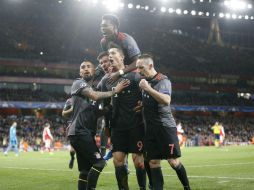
(96,95)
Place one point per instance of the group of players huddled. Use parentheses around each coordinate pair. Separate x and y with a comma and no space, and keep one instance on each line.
(133,100)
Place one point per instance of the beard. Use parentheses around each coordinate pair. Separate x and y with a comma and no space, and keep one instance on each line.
(87,77)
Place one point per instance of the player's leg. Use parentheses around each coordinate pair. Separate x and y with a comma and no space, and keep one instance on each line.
(136,147)
(180,171)
(7,149)
(138,161)
(72,154)
(173,152)
(83,164)
(119,140)
(95,158)
(16,150)
(120,170)
(156,173)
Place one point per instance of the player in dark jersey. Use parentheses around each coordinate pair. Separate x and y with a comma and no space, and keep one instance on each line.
(111,35)
(67,111)
(127,129)
(161,140)
(83,125)
(105,65)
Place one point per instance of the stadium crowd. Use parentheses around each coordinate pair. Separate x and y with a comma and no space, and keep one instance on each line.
(197,130)
(178,97)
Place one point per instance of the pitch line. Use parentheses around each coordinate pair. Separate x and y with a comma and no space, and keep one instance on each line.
(111,172)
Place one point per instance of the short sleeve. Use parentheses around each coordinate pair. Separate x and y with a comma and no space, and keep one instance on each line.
(164,86)
(131,47)
(78,86)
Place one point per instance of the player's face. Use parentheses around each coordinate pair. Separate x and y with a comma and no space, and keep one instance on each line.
(86,70)
(115,58)
(105,63)
(107,28)
(142,68)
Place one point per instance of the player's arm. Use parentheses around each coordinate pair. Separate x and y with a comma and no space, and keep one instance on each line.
(131,66)
(96,95)
(161,98)
(49,133)
(66,113)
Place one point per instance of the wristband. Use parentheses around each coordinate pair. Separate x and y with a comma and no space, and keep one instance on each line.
(121,72)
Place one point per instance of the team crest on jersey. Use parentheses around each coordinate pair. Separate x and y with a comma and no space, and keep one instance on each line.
(97,155)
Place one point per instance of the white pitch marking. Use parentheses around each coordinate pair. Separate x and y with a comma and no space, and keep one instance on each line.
(110,172)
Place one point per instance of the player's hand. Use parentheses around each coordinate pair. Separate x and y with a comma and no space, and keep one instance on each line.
(143,84)
(138,107)
(121,85)
(113,77)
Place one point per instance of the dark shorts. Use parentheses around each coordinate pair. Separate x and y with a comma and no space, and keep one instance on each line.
(128,141)
(217,136)
(86,151)
(161,143)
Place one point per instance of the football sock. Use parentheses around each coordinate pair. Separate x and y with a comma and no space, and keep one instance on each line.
(148,171)
(141,177)
(122,177)
(182,175)
(157,178)
(82,181)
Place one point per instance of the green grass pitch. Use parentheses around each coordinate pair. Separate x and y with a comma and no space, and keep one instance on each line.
(208,168)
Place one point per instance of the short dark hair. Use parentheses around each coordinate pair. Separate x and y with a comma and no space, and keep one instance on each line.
(119,49)
(112,18)
(102,54)
(145,56)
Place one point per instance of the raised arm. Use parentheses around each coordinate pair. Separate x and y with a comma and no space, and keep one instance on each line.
(158,96)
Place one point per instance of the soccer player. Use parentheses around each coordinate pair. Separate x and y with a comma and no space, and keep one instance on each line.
(104,62)
(83,126)
(13,141)
(67,111)
(216,131)
(47,137)
(222,134)
(127,129)
(111,35)
(161,140)
(180,133)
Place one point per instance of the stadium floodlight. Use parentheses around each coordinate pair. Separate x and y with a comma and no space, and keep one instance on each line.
(163,9)
(249,6)
(246,17)
(251,17)
(185,12)
(178,11)
(171,10)
(138,7)
(146,8)
(235,4)
(240,17)
(130,6)
(221,15)
(200,13)
(112,5)
(193,12)
(207,14)
(228,16)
